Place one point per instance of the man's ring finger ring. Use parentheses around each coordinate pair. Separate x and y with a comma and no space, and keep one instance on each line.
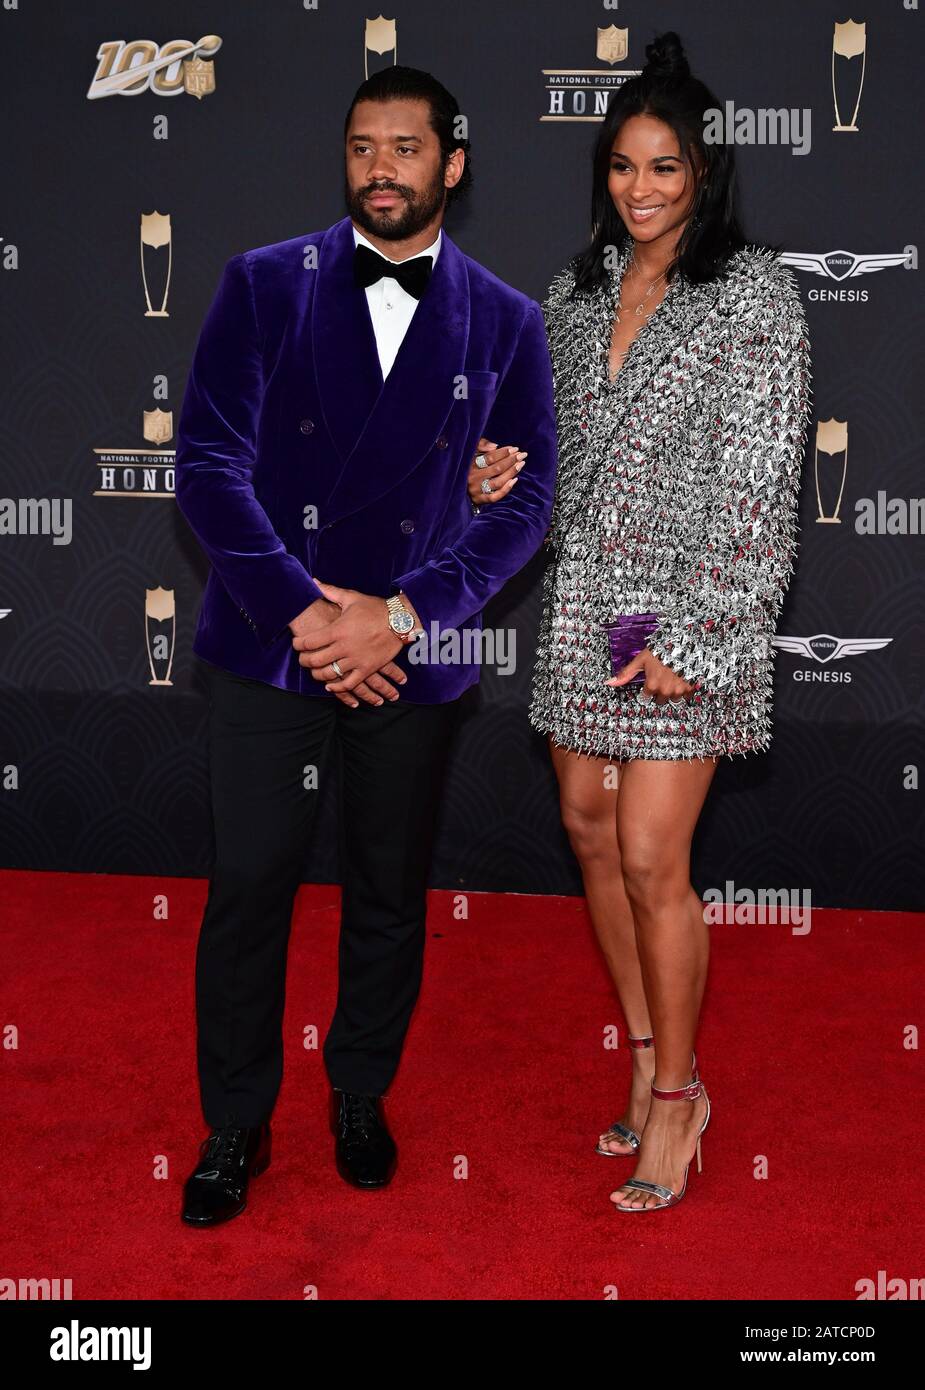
(339,672)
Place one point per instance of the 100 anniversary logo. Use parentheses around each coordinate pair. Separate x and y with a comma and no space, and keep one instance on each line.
(168,70)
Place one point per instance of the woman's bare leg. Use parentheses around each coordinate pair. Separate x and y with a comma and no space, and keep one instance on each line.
(588,795)
(657,811)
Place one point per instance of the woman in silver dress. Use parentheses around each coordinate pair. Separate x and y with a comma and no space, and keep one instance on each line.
(682,375)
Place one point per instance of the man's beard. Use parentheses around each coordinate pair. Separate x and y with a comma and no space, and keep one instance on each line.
(407,219)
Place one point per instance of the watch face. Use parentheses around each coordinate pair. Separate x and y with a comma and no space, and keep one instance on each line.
(401,622)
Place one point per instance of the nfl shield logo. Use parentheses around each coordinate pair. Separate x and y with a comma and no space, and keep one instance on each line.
(198,77)
(612,44)
(158,426)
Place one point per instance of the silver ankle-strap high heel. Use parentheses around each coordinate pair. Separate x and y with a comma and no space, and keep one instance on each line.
(618,1130)
(693,1091)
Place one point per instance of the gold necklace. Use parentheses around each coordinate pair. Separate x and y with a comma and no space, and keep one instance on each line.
(641,305)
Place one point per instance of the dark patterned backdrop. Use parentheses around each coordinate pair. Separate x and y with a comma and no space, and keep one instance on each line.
(103,771)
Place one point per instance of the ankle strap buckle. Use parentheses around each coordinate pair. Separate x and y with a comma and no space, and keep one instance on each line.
(692,1091)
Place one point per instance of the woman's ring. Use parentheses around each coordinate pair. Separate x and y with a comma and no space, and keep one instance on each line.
(486,486)
(481,461)
(336,665)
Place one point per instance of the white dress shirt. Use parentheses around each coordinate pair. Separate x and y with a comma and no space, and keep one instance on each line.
(391,307)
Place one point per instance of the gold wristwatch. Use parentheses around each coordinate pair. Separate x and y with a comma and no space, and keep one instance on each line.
(401,619)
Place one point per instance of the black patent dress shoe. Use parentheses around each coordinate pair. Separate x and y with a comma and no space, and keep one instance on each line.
(364,1150)
(216,1190)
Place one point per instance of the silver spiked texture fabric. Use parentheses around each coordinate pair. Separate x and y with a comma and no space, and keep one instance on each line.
(677,494)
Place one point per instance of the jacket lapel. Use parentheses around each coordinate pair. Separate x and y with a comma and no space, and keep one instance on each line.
(347,370)
(382,430)
(676,329)
(668,332)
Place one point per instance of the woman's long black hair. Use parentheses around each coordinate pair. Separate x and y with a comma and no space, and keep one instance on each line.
(666,90)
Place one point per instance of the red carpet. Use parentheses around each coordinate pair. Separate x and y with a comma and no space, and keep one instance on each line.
(801,1049)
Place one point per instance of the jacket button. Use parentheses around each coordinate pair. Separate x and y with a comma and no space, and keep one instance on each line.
(407,526)
(306,426)
(443,442)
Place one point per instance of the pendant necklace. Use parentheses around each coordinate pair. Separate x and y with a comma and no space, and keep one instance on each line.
(638,312)
(641,305)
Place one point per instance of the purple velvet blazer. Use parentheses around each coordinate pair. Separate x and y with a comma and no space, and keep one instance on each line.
(286,411)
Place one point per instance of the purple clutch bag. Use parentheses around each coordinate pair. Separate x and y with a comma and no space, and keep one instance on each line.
(628,634)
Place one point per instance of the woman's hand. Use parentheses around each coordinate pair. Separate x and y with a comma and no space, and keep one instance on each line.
(502,467)
(662,684)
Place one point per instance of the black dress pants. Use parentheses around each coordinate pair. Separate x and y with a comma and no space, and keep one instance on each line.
(263,744)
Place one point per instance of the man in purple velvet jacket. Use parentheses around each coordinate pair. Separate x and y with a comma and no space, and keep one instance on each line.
(341,385)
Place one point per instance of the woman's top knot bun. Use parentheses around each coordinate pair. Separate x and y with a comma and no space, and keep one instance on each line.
(665,60)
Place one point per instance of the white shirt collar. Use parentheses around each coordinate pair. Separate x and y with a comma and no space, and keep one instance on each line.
(432,250)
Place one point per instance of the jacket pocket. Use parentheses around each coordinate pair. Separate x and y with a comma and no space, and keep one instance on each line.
(479,381)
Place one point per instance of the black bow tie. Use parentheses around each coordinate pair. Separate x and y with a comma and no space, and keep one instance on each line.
(413,275)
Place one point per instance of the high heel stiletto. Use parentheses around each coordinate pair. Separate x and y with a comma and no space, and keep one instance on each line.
(621,1131)
(618,1130)
(693,1091)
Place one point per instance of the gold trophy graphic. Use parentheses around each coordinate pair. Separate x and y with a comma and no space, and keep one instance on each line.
(381,37)
(155,232)
(848,40)
(831,439)
(160,608)
(612,44)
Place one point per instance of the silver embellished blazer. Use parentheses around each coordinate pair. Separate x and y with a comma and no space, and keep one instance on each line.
(676,494)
